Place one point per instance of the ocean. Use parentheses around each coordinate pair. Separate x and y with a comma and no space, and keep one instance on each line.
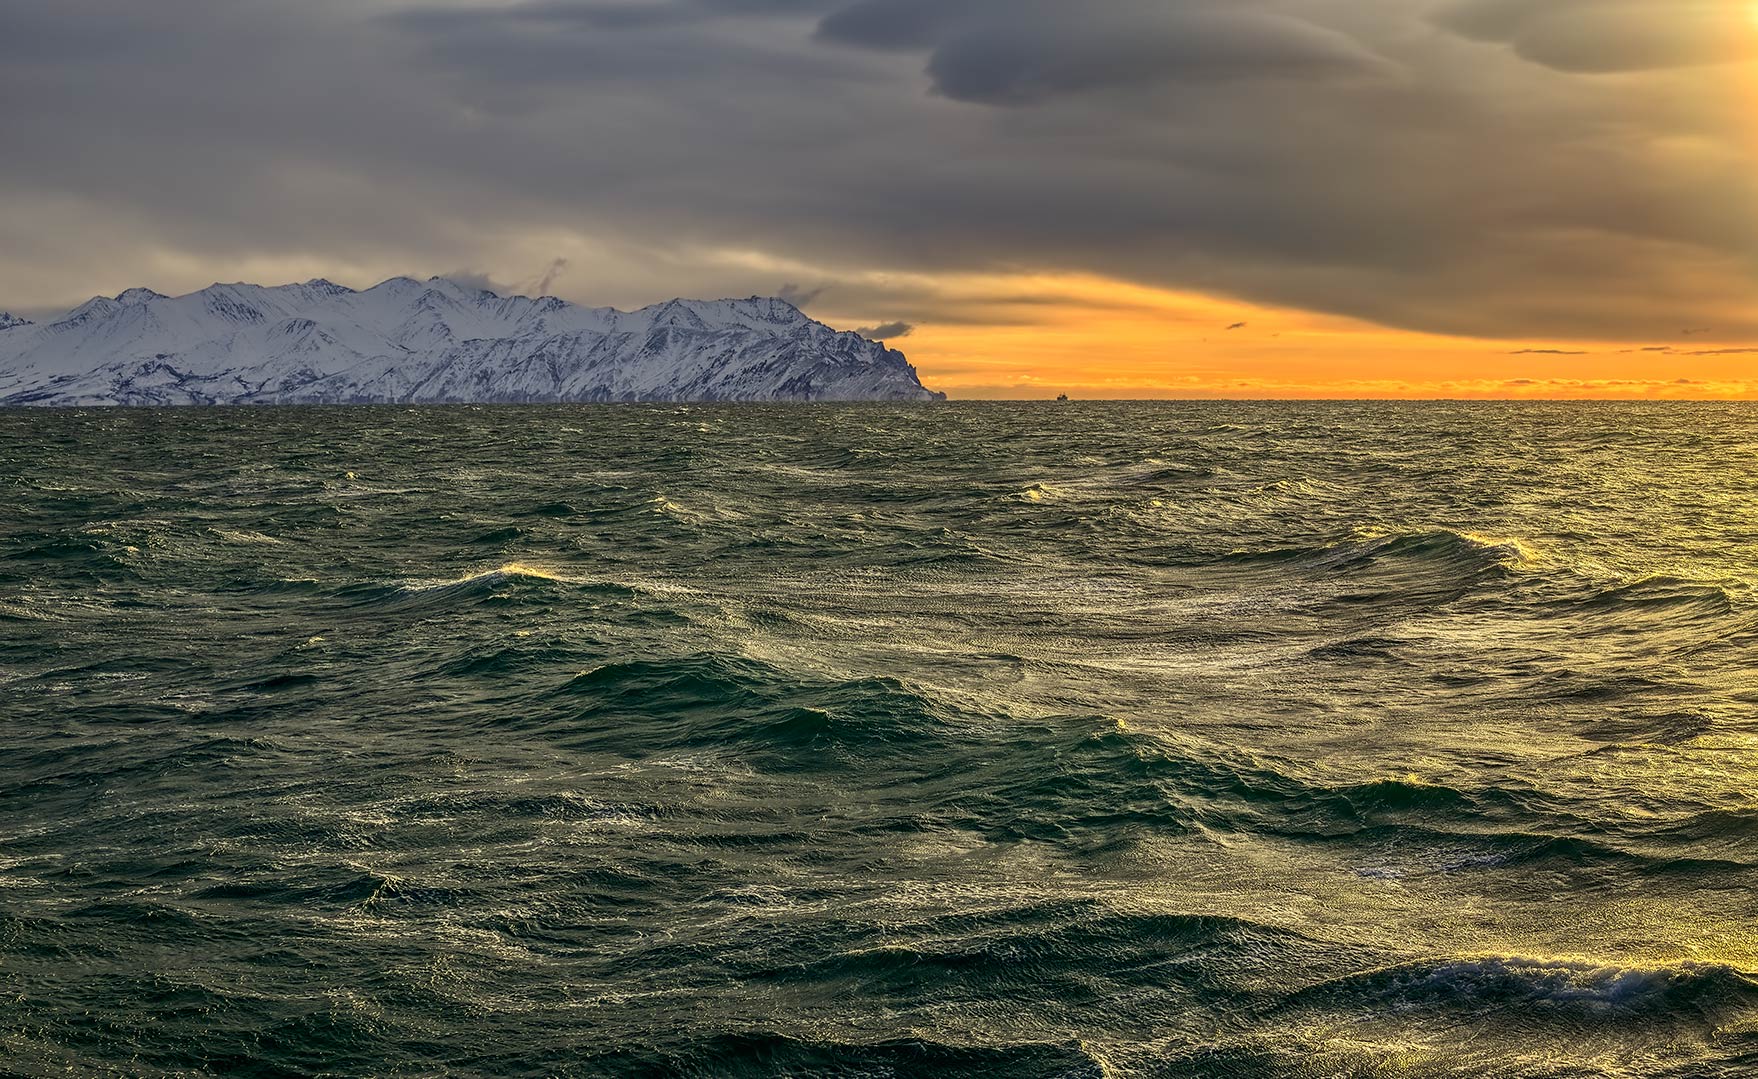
(1026,740)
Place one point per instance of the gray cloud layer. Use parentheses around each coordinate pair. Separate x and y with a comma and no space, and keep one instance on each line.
(1512,167)
(1603,36)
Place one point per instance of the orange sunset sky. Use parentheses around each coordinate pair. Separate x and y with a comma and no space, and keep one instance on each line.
(1107,339)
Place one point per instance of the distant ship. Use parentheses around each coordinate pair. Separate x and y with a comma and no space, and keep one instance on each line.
(1062,397)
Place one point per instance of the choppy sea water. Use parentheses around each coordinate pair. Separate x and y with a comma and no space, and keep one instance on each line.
(1001,740)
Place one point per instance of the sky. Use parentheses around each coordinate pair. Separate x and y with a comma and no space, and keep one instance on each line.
(1108,198)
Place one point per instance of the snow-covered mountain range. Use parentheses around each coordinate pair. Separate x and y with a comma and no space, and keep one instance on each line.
(434,341)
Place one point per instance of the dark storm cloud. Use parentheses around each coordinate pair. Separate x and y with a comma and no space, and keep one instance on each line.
(886,331)
(539,284)
(1387,159)
(550,276)
(478,280)
(799,295)
(1016,52)
(592,14)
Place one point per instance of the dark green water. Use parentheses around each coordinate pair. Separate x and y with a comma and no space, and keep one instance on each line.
(1093,740)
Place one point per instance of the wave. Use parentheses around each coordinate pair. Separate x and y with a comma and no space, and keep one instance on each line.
(552,509)
(290,586)
(560,806)
(702,508)
(1661,599)
(496,536)
(416,594)
(710,700)
(1434,848)
(490,661)
(1358,649)
(1740,824)
(91,556)
(1446,558)
(1255,787)
(765,1054)
(1539,989)
(11,612)
(1049,950)
(244,536)
(1160,473)
(334,888)
(1467,549)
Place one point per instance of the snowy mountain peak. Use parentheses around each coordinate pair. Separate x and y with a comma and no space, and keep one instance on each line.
(97,307)
(8,320)
(770,308)
(410,341)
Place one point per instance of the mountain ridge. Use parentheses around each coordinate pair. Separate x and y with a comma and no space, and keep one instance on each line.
(405,341)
